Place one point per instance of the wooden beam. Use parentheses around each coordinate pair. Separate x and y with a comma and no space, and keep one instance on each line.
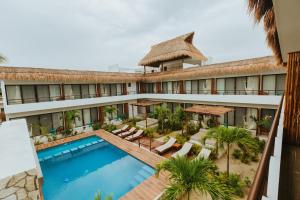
(291,122)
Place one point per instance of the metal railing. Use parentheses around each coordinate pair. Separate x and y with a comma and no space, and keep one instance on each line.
(259,185)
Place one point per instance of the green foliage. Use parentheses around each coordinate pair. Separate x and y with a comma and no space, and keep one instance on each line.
(212,122)
(247,181)
(44,130)
(234,182)
(261,144)
(96,126)
(70,117)
(98,196)
(192,175)
(175,120)
(237,153)
(109,127)
(181,139)
(239,136)
(110,110)
(196,149)
(192,128)
(265,122)
(149,132)
(162,112)
(2,59)
(166,139)
(132,121)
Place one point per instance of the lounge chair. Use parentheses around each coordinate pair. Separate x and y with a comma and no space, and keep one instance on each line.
(184,150)
(127,133)
(204,153)
(163,148)
(211,143)
(124,128)
(138,134)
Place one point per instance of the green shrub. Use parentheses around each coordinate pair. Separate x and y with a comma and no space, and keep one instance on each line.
(196,149)
(181,139)
(166,139)
(237,153)
(192,128)
(96,126)
(211,122)
(234,182)
(247,181)
(109,127)
(261,144)
(149,132)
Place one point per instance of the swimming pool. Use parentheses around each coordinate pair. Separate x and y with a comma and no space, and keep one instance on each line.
(79,169)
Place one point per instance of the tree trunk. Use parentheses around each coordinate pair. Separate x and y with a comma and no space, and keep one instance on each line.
(228,160)
(188,195)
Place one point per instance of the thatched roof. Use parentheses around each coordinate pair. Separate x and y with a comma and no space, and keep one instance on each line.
(255,66)
(59,75)
(176,48)
(208,110)
(263,10)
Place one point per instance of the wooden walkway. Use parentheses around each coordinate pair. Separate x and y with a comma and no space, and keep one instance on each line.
(153,186)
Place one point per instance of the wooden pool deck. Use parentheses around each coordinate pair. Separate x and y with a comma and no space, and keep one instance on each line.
(148,189)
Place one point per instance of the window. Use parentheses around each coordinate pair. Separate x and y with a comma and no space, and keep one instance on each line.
(280,84)
(78,121)
(113,89)
(57,119)
(85,91)
(120,111)
(54,92)
(188,87)
(230,86)
(76,91)
(129,84)
(92,90)
(33,125)
(13,94)
(46,123)
(165,87)
(28,92)
(43,93)
(221,86)
(269,84)
(94,114)
(87,116)
(194,87)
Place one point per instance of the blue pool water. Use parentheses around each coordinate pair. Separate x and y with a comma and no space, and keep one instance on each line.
(79,173)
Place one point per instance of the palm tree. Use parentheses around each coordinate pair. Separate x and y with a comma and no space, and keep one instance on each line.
(98,197)
(228,136)
(2,59)
(162,112)
(110,110)
(198,175)
(70,117)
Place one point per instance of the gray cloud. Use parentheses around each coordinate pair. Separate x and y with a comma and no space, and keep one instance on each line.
(94,34)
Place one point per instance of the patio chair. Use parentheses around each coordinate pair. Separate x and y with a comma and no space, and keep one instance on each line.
(127,133)
(184,150)
(124,128)
(163,148)
(204,153)
(138,134)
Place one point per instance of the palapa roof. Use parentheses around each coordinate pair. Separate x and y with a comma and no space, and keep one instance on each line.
(65,75)
(145,103)
(263,10)
(208,110)
(254,66)
(176,48)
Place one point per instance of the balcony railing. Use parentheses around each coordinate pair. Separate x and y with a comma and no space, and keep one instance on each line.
(260,182)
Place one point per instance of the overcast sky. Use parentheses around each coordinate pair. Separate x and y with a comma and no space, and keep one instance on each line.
(96,34)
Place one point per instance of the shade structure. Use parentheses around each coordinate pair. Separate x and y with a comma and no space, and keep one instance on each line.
(145,103)
(208,110)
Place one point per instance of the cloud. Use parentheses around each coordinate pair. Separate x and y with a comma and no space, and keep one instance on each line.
(95,34)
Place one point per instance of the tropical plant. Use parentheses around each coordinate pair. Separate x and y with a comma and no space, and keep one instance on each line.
(197,175)
(181,139)
(234,182)
(191,128)
(162,112)
(96,126)
(2,59)
(98,196)
(227,136)
(149,133)
(109,127)
(176,119)
(70,117)
(264,122)
(110,110)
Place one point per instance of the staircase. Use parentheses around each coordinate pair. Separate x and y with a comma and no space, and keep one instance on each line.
(142,175)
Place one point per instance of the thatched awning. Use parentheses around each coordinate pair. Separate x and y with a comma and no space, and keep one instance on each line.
(178,48)
(65,75)
(264,10)
(146,103)
(208,110)
(249,67)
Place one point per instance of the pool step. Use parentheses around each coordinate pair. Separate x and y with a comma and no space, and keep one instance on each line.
(142,175)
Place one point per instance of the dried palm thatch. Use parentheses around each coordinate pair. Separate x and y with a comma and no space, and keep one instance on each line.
(255,66)
(56,75)
(208,110)
(177,48)
(263,10)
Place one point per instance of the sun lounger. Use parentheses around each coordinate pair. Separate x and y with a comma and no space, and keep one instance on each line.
(163,148)
(211,143)
(124,128)
(138,134)
(204,153)
(184,150)
(127,133)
